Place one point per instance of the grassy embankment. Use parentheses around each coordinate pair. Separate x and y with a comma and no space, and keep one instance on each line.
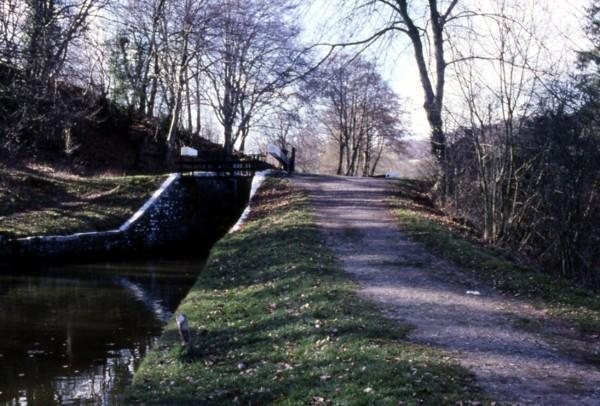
(563,298)
(40,202)
(273,320)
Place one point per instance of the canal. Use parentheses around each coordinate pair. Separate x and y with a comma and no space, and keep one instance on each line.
(75,334)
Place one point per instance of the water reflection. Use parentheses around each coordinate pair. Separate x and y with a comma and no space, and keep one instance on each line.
(75,334)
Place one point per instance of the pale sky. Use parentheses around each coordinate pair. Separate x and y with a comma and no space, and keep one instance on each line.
(324,22)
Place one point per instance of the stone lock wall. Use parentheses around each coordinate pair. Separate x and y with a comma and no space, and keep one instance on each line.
(186,214)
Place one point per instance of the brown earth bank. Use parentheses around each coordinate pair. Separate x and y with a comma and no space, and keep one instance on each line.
(88,175)
(114,145)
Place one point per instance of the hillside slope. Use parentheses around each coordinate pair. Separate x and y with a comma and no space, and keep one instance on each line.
(39,200)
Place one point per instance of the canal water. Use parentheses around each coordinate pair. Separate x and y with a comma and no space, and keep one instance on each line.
(75,334)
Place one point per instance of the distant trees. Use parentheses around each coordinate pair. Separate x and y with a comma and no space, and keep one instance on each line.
(496,99)
(565,229)
(295,126)
(184,31)
(591,57)
(360,113)
(50,28)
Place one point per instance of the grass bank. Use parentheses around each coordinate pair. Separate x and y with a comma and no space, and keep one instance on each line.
(40,202)
(563,298)
(274,320)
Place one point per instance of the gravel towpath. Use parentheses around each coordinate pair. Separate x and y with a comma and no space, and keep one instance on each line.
(481,332)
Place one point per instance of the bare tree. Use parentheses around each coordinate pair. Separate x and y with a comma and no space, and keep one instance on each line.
(498,94)
(11,34)
(425,24)
(254,57)
(137,45)
(360,113)
(183,29)
(521,160)
(36,37)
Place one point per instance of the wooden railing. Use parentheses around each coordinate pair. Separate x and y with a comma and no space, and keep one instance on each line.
(226,167)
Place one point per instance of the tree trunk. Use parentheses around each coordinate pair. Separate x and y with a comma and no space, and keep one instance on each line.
(228,133)
(243,142)
(173,125)
(189,103)
(154,87)
(340,159)
(377,158)
(149,101)
(228,112)
(367,162)
(433,99)
(198,108)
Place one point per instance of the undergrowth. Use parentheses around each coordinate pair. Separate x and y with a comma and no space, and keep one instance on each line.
(562,297)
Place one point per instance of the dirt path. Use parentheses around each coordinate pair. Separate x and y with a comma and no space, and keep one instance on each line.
(511,365)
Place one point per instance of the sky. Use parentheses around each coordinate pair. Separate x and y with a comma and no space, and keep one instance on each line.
(324,22)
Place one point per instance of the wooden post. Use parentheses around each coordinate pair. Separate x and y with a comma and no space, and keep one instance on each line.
(184,333)
(292,164)
(285,160)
